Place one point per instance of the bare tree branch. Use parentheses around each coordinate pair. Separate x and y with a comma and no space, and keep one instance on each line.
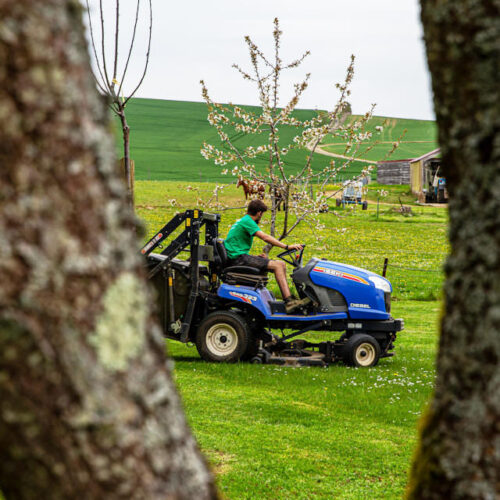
(334,114)
(108,85)
(92,40)
(117,29)
(147,54)
(122,79)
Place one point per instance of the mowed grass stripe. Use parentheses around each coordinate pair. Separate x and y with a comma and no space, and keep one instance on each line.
(380,151)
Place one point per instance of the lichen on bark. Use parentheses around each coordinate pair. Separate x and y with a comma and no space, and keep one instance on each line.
(120,328)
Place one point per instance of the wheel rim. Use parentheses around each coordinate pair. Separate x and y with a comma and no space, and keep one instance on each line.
(365,354)
(222,339)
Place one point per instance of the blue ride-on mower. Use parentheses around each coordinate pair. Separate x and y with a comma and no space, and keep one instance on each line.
(230,315)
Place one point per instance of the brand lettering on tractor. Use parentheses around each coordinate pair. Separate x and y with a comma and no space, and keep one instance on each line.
(157,238)
(340,274)
(245,297)
(364,306)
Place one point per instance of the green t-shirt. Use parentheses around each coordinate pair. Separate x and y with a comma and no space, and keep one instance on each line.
(239,239)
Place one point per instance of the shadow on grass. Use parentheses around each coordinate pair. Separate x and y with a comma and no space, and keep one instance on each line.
(183,357)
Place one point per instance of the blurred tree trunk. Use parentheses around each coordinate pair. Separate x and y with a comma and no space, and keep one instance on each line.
(88,408)
(459,451)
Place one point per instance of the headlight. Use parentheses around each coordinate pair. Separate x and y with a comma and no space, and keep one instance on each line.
(380,283)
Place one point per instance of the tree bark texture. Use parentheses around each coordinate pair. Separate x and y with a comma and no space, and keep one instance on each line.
(459,451)
(87,405)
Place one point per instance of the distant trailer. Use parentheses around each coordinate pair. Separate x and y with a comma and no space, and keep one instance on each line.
(393,172)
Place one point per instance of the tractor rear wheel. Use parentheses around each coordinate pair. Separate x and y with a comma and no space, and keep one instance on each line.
(222,337)
(361,350)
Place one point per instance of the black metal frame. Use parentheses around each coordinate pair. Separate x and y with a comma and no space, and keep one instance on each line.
(194,220)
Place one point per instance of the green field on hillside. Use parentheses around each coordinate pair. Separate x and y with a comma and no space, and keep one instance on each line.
(406,150)
(393,128)
(420,138)
(338,432)
(166,137)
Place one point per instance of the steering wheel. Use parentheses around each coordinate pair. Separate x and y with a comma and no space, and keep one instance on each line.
(295,258)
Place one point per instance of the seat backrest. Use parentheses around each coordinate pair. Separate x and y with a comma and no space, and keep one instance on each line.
(221,252)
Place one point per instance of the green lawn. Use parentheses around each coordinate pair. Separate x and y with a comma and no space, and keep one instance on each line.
(415,245)
(337,432)
(272,432)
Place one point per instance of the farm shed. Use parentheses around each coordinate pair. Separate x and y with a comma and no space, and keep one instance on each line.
(393,172)
(424,171)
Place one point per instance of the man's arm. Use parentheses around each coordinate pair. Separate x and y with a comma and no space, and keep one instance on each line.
(277,243)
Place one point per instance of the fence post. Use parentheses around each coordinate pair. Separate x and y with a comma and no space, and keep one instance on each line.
(384,271)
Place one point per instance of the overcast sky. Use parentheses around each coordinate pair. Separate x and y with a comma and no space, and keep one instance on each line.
(194,39)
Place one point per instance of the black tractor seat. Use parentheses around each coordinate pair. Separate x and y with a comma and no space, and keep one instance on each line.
(237,275)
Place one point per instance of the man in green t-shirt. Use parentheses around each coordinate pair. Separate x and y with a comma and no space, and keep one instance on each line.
(239,242)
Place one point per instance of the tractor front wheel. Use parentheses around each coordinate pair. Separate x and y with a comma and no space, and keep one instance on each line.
(222,337)
(361,350)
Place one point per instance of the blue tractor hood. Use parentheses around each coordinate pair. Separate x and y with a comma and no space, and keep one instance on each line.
(367,294)
(326,269)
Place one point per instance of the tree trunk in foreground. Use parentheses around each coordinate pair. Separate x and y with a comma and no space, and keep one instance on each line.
(88,408)
(459,450)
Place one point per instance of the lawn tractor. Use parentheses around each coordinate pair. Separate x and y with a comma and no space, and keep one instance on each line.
(230,314)
(352,195)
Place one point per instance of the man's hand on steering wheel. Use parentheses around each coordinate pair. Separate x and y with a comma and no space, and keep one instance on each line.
(295,246)
(294,253)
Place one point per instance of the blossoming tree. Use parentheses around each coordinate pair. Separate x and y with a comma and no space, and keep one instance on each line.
(290,190)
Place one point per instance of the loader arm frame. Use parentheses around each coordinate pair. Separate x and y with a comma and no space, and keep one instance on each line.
(194,221)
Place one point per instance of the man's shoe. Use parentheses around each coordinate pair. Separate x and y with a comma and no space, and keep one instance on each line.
(294,303)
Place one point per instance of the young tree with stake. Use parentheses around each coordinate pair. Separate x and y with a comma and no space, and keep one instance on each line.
(112,84)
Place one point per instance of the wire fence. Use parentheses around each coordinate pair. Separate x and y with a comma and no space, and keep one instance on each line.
(390,266)
(418,269)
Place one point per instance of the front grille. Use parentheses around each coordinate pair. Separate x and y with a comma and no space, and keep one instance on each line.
(387,300)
